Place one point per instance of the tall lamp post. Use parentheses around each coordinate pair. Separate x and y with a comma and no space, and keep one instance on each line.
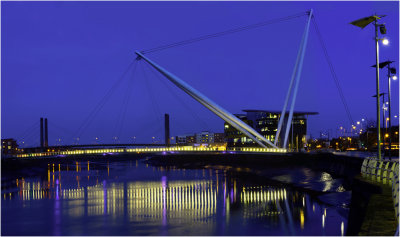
(362,23)
(383,117)
(391,75)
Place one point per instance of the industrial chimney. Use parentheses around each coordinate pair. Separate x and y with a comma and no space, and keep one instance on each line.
(41,132)
(166,123)
(46,134)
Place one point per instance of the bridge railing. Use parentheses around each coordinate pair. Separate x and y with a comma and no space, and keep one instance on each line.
(386,172)
(151,150)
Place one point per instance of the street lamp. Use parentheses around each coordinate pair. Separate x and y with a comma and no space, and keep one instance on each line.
(391,75)
(362,23)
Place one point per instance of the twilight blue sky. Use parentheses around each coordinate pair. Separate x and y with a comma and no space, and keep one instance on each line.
(59,59)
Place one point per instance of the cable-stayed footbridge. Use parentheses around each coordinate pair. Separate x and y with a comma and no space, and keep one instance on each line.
(264,144)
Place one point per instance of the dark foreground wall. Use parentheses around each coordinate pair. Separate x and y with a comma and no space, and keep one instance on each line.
(333,164)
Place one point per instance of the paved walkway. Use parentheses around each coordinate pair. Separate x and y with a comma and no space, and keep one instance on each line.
(380,219)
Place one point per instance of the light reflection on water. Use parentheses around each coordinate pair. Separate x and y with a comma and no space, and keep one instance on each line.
(118,199)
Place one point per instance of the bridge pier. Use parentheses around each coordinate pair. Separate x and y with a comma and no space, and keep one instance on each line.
(46,134)
(166,124)
(41,133)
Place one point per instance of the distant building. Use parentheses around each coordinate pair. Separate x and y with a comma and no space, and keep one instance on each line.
(232,135)
(9,146)
(180,140)
(190,139)
(219,137)
(185,140)
(205,138)
(266,122)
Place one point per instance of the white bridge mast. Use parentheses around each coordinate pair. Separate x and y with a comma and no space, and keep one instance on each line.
(295,76)
(232,119)
(212,106)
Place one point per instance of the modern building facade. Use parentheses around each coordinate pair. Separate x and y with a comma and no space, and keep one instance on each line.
(9,146)
(185,140)
(219,138)
(266,122)
(204,138)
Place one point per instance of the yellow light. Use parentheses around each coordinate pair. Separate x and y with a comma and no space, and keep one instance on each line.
(301,219)
(386,135)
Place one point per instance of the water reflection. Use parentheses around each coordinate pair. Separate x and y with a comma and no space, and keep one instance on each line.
(204,202)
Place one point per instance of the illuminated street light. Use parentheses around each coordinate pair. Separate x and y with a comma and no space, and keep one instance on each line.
(362,23)
(385,41)
(394,77)
(391,71)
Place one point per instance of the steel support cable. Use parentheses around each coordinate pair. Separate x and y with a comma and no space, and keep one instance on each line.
(104,100)
(333,72)
(158,76)
(127,98)
(145,128)
(220,112)
(29,138)
(60,129)
(31,135)
(125,102)
(64,130)
(88,120)
(154,131)
(222,33)
(154,104)
(28,130)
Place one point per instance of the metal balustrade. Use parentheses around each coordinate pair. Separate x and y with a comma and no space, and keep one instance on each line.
(386,172)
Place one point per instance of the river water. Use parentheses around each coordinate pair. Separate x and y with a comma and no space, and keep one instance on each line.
(132,198)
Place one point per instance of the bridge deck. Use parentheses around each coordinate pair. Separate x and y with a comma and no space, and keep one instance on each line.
(164,150)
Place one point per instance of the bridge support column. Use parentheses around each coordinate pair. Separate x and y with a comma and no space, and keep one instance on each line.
(46,134)
(41,133)
(298,73)
(166,124)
